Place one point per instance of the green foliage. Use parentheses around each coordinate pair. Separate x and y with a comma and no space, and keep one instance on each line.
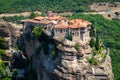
(94,52)
(6,78)
(44,5)
(3,44)
(108,31)
(115,55)
(2,39)
(92,42)
(15,19)
(92,32)
(93,61)
(97,44)
(16,47)
(103,55)
(33,15)
(43,14)
(4,71)
(53,53)
(15,6)
(77,46)
(2,51)
(37,31)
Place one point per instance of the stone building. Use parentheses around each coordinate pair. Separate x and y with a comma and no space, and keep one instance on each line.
(78,28)
(60,27)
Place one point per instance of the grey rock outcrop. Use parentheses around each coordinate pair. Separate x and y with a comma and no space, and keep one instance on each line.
(69,64)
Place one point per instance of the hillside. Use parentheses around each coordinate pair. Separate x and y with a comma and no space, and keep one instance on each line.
(15,6)
(108,30)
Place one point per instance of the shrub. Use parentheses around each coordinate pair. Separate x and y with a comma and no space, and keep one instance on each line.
(2,51)
(93,61)
(103,55)
(37,31)
(77,46)
(92,42)
(53,53)
(33,15)
(3,44)
(16,47)
(43,14)
(15,19)
(6,78)
(97,45)
(92,32)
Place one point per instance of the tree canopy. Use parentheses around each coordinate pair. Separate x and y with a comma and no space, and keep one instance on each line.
(15,6)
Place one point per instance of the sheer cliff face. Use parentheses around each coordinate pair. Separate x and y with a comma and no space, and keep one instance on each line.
(68,64)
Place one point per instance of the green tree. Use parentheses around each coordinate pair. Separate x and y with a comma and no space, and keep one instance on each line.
(97,44)
(93,61)
(92,42)
(37,31)
(6,78)
(53,53)
(33,15)
(3,44)
(43,14)
(92,32)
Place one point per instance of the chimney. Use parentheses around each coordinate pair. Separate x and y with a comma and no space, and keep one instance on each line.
(49,14)
(75,21)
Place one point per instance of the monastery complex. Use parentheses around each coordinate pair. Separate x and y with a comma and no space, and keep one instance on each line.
(60,27)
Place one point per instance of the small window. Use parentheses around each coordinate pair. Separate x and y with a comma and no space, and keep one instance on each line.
(61,30)
(56,30)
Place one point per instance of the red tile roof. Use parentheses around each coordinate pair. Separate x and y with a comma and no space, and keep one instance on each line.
(38,22)
(79,23)
(30,20)
(76,23)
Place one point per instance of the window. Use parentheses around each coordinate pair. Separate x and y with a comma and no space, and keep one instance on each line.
(61,30)
(56,30)
(73,34)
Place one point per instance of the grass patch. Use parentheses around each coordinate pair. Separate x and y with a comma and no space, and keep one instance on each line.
(77,46)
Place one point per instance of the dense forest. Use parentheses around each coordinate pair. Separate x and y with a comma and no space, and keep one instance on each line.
(109,32)
(14,6)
